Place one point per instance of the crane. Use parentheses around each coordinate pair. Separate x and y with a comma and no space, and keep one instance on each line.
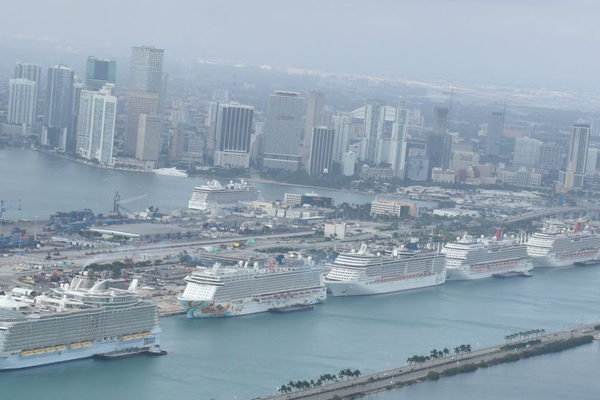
(118,203)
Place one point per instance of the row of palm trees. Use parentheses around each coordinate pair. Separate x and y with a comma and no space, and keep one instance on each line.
(346,373)
(524,335)
(438,354)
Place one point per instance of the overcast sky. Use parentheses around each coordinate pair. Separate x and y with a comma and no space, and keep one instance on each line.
(545,42)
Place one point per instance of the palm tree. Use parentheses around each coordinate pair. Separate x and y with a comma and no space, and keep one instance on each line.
(357,373)
(446,352)
(468,348)
(456,350)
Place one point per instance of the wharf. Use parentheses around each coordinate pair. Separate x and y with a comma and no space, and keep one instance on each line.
(410,374)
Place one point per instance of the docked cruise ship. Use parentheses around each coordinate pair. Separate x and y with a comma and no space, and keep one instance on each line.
(214,195)
(362,272)
(222,291)
(558,246)
(470,258)
(83,319)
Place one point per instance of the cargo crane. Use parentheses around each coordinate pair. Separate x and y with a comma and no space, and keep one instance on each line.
(118,203)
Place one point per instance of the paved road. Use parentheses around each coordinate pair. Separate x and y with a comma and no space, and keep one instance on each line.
(379,381)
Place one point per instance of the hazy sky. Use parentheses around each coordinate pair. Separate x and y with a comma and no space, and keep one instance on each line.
(545,42)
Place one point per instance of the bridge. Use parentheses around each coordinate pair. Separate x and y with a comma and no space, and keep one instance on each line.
(578,211)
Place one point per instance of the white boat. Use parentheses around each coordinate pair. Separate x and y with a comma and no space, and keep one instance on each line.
(557,245)
(362,272)
(239,290)
(213,195)
(83,319)
(171,172)
(469,258)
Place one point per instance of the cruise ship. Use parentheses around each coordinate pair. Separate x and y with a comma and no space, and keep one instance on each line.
(214,195)
(470,258)
(227,291)
(84,319)
(558,246)
(362,272)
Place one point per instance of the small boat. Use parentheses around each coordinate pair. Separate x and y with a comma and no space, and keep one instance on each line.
(116,355)
(293,308)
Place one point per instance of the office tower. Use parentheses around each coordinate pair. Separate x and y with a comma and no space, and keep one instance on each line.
(146,89)
(138,103)
(577,159)
(348,163)
(341,124)
(146,69)
(283,131)
(591,167)
(551,156)
(373,126)
(59,107)
(527,152)
(99,72)
(314,117)
(321,151)
(32,72)
(494,135)
(233,134)
(148,143)
(399,143)
(440,121)
(439,149)
(21,103)
(96,124)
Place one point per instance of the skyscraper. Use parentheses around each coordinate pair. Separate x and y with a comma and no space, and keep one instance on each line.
(314,117)
(146,69)
(440,121)
(233,134)
(342,124)
(577,160)
(22,103)
(96,124)
(99,71)
(495,129)
(146,88)
(32,72)
(527,152)
(283,131)
(321,151)
(148,144)
(374,120)
(59,107)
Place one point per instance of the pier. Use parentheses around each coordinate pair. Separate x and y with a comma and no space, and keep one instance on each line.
(451,365)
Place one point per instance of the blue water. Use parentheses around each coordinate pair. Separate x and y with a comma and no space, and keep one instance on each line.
(245,357)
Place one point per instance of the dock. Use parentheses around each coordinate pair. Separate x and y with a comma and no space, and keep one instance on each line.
(447,366)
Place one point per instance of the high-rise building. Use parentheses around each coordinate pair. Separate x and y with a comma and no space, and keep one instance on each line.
(593,157)
(148,143)
(321,150)
(315,106)
(348,163)
(138,103)
(374,121)
(439,151)
(527,152)
(96,124)
(495,129)
(440,121)
(232,135)
(146,69)
(399,143)
(146,92)
(59,107)
(577,160)
(32,72)
(22,103)
(551,156)
(283,131)
(342,124)
(99,72)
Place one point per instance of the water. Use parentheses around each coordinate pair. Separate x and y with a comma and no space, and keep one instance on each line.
(245,357)
(46,184)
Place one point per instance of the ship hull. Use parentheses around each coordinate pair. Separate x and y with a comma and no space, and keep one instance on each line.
(16,360)
(211,309)
(522,267)
(377,286)
(565,260)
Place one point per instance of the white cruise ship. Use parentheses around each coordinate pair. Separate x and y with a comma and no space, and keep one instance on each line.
(83,319)
(231,291)
(558,246)
(470,258)
(214,195)
(362,273)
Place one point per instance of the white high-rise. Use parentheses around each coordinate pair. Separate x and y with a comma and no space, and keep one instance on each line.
(341,125)
(22,97)
(96,124)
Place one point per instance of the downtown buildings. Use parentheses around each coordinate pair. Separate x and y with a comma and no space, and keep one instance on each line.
(233,131)
(57,129)
(572,177)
